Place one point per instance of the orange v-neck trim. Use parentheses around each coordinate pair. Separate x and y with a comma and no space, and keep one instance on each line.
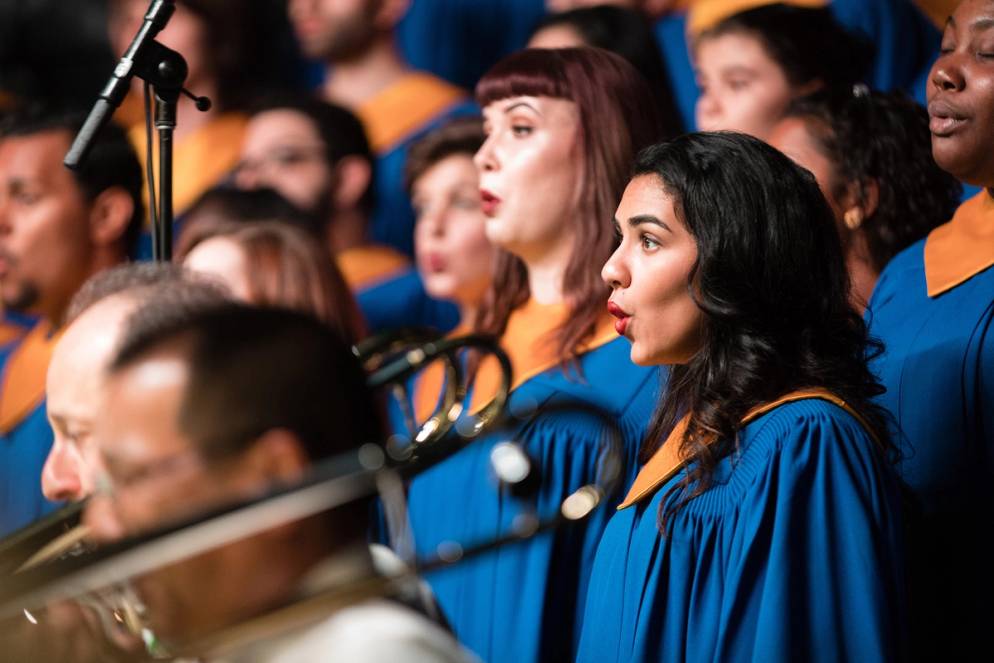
(666,462)
(22,385)
(957,251)
(529,343)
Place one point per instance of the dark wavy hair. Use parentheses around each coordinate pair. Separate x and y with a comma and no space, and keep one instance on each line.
(807,42)
(881,138)
(617,118)
(771,282)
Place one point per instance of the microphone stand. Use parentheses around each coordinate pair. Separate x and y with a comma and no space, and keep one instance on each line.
(165,70)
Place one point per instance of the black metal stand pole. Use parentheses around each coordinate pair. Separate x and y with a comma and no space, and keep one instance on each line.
(170,73)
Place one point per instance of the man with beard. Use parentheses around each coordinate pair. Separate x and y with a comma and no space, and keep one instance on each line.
(57,228)
(316,155)
(366,73)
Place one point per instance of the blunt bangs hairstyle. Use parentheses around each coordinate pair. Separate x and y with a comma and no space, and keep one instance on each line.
(881,139)
(617,117)
(773,288)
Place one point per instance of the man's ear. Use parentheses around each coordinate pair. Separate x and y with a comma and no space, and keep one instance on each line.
(389,14)
(352,179)
(110,215)
(277,456)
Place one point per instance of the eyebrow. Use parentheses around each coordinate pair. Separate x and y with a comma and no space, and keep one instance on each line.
(521,103)
(981,24)
(642,219)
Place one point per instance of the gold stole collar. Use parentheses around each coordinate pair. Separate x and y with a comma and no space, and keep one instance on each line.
(666,462)
(22,385)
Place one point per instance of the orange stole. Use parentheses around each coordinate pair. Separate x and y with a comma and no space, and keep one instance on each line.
(9,332)
(705,14)
(22,385)
(962,248)
(528,344)
(406,106)
(666,462)
(201,160)
(367,265)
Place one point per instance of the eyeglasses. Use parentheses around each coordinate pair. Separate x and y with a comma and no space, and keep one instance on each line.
(282,158)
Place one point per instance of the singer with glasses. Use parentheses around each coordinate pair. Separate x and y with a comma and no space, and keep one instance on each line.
(765,522)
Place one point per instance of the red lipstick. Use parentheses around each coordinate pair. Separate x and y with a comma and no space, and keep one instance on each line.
(621,324)
(488,202)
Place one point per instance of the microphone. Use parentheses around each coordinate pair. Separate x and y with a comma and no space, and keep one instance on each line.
(117,86)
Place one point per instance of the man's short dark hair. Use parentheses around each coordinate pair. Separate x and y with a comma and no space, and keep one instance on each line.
(160,285)
(463,135)
(111,162)
(340,130)
(253,370)
(237,206)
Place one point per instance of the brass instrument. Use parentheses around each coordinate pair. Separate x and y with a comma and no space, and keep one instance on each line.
(391,361)
(393,358)
(335,483)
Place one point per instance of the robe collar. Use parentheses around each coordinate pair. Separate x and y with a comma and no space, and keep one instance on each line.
(529,344)
(666,462)
(404,108)
(22,384)
(957,251)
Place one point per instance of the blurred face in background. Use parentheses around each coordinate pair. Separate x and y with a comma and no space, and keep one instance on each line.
(793,137)
(45,244)
(742,88)
(528,174)
(454,257)
(334,30)
(185,33)
(283,150)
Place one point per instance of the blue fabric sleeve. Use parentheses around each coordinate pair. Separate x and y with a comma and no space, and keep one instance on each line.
(811,573)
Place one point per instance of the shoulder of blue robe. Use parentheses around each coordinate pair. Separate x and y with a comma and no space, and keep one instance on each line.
(938,372)
(403,302)
(794,553)
(535,589)
(23,451)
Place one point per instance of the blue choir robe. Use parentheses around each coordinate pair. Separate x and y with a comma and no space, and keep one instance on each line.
(933,308)
(394,119)
(793,554)
(522,602)
(401,301)
(25,435)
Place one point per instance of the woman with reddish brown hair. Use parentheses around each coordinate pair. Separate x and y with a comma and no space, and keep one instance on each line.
(562,129)
(272,263)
